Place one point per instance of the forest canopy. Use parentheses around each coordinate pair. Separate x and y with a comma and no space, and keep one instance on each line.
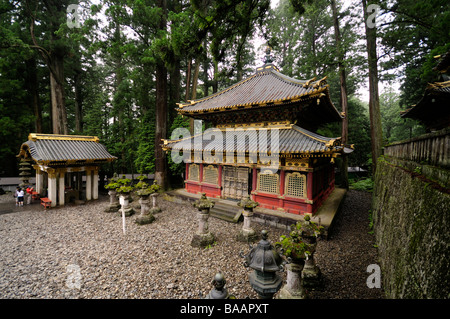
(116,68)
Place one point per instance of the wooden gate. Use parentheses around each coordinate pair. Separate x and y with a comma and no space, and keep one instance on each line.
(235,182)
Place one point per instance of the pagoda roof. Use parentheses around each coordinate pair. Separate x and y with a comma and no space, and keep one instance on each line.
(64,150)
(263,90)
(292,139)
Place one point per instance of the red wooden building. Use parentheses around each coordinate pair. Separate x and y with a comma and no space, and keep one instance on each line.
(262,142)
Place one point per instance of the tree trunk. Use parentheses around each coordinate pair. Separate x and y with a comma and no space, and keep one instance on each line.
(374,101)
(194,93)
(161,111)
(59,114)
(78,103)
(174,89)
(195,80)
(118,104)
(205,75)
(188,79)
(215,83)
(343,97)
(161,124)
(55,62)
(33,91)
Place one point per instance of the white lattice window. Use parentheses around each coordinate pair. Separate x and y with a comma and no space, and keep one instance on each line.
(268,183)
(194,172)
(295,185)
(210,174)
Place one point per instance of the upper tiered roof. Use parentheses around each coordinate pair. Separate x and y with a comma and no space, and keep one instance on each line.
(267,95)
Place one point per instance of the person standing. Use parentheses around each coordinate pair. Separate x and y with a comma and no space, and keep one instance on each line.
(30,190)
(16,193)
(20,195)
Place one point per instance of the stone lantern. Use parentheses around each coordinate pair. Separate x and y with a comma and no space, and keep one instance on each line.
(203,237)
(114,204)
(219,291)
(266,262)
(311,274)
(247,233)
(146,216)
(155,187)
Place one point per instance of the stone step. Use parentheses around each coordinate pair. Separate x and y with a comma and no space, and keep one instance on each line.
(228,214)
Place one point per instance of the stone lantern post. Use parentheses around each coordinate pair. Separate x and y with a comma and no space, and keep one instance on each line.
(124,199)
(266,262)
(155,188)
(295,250)
(203,237)
(146,216)
(311,274)
(294,282)
(247,233)
(112,186)
(114,204)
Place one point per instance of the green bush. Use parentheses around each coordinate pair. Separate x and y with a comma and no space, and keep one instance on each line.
(365,184)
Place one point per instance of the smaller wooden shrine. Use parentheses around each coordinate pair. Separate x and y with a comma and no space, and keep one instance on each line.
(61,162)
(226,161)
(433,109)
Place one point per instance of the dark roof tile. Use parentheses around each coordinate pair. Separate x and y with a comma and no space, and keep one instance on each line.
(57,149)
(292,139)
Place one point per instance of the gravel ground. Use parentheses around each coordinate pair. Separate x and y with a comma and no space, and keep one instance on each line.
(41,253)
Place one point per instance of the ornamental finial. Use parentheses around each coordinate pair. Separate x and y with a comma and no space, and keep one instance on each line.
(268,58)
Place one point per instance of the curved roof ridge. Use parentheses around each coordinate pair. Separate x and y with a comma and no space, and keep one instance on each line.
(315,136)
(193,102)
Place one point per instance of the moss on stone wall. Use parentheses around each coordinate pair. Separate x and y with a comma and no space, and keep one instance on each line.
(412,227)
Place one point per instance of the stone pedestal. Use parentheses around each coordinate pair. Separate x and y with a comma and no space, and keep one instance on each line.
(114,204)
(125,203)
(146,216)
(203,237)
(311,274)
(247,233)
(294,283)
(155,209)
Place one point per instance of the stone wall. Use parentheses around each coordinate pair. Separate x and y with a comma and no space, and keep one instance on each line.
(411,211)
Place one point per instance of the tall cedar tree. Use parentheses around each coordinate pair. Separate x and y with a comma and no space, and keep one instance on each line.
(344,98)
(52,14)
(376,132)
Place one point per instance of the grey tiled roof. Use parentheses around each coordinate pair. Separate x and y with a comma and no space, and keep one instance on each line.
(267,86)
(292,139)
(58,150)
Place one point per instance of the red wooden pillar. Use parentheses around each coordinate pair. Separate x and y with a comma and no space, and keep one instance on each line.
(220,179)
(220,175)
(254,180)
(282,179)
(332,175)
(200,177)
(309,191)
